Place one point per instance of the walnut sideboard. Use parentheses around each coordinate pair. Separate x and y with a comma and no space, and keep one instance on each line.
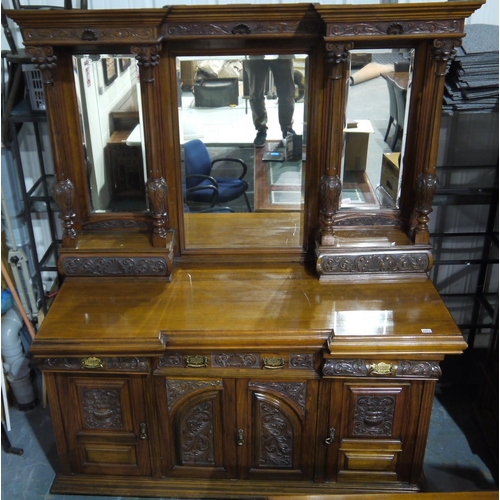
(194,353)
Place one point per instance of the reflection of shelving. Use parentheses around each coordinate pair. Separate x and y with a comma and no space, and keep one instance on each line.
(37,199)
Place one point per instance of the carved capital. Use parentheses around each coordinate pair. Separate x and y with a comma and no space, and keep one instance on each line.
(44,60)
(63,193)
(426,186)
(443,51)
(330,190)
(157,194)
(147,57)
(337,54)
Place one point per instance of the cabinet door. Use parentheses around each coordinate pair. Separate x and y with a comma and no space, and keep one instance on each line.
(369,431)
(105,424)
(198,436)
(276,424)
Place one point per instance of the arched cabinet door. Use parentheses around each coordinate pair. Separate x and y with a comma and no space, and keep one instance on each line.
(194,438)
(276,420)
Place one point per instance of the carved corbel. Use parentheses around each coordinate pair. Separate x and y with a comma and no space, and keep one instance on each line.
(444,51)
(148,58)
(44,60)
(330,190)
(337,54)
(63,193)
(426,186)
(157,194)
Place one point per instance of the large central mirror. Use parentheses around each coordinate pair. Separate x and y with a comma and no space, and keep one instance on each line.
(243,130)
(376,114)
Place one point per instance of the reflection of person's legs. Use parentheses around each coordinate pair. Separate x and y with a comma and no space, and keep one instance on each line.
(285,88)
(257,71)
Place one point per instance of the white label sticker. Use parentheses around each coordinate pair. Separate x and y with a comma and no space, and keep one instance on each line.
(426,330)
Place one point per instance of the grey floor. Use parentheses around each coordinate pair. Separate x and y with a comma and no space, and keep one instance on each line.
(458,457)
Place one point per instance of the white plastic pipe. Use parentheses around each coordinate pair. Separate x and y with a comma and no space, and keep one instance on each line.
(12,348)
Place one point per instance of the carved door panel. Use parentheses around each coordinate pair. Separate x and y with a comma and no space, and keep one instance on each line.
(198,437)
(276,424)
(368,432)
(105,422)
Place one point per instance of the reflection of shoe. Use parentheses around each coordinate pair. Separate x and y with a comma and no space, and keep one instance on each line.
(260,138)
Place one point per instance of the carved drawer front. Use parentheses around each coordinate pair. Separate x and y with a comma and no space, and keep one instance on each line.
(195,439)
(106,424)
(372,433)
(235,360)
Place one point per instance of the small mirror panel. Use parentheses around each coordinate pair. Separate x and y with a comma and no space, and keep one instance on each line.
(108,95)
(378,92)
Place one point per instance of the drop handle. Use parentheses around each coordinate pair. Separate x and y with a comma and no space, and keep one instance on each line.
(331,436)
(241,440)
(142,431)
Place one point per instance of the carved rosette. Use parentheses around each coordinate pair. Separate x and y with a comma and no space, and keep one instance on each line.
(44,60)
(426,186)
(157,194)
(63,193)
(120,35)
(337,54)
(148,58)
(372,263)
(330,190)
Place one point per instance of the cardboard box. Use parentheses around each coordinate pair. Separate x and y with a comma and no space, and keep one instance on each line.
(356,145)
(389,177)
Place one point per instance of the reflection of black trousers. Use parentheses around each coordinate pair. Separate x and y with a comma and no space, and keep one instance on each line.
(258,71)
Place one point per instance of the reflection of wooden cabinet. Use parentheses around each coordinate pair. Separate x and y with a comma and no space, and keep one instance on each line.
(125,166)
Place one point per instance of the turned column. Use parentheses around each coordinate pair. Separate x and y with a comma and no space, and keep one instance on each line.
(333,136)
(440,53)
(65,136)
(147,57)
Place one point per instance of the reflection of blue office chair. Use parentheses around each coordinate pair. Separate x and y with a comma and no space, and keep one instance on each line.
(201,186)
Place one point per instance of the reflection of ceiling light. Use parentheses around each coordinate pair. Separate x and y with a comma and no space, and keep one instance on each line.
(363,322)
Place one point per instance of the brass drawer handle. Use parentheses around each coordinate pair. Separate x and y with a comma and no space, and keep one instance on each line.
(273,363)
(92,363)
(196,361)
(331,436)
(142,431)
(241,440)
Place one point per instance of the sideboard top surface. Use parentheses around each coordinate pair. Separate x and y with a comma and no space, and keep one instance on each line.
(247,308)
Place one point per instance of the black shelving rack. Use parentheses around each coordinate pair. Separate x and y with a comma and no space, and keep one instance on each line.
(38,197)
